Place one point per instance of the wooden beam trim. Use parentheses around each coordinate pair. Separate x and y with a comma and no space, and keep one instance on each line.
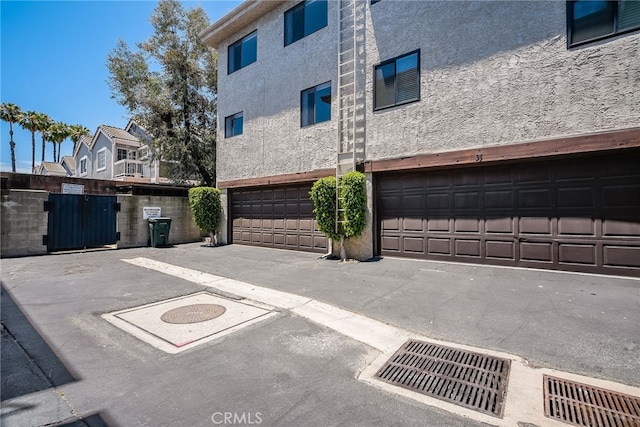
(291,178)
(602,141)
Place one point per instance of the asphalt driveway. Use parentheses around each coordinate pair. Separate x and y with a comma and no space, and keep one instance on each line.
(285,370)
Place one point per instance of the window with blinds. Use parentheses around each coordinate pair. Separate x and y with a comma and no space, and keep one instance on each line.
(590,20)
(397,81)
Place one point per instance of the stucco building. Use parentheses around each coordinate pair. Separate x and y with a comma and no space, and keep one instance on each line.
(490,131)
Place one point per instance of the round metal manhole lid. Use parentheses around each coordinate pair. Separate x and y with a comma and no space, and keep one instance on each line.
(193,313)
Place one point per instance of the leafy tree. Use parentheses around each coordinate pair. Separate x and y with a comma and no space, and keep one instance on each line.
(352,219)
(29,121)
(177,103)
(76,132)
(207,209)
(11,113)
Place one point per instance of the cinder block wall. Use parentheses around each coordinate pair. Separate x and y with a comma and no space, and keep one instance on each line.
(134,229)
(23,222)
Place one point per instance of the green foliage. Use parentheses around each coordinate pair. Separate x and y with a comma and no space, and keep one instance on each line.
(353,190)
(323,195)
(354,195)
(206,208)
(177,103)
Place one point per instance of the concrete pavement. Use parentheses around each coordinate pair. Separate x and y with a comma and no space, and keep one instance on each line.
(290,370)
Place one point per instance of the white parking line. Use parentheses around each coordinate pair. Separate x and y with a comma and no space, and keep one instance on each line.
(524,398)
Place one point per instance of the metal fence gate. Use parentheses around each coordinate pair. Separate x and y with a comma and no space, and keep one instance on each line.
(77,221)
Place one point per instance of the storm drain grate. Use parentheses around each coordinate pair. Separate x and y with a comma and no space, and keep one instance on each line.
(473,380)
(585,405)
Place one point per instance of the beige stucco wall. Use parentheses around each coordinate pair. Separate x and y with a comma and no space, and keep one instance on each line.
(134,229)
(23,222)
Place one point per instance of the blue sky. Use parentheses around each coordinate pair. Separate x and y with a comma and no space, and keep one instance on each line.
(53,60)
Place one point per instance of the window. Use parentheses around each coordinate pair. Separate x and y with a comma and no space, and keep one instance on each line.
(102,159)
(233,125)
(597,19)
(122,154)
(303,19)
(397,81)
(243,52)
(83,165)
(315,104)
(132,155)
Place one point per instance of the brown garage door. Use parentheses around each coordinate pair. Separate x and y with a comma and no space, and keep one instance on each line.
(280,217)
(578,214)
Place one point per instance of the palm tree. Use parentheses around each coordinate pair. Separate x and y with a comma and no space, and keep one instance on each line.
(11,113)
(58,132)
(77,132)
(43,122)
(29,121)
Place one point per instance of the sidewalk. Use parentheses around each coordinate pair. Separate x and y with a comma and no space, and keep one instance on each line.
(582,324)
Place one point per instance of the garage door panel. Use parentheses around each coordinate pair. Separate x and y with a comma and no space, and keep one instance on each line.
(576,197)
(467,225)
(441,201)
(498,249)
(390,224)
(415,202)
(577,254)
(391,243)
(622,256)
(621,227)
(499,199)
(439,246)
(466,201)
(500,175)
(538,252)
(535,225)
(467,248)
(621,196)
(568,226)
(413,224)
(537,198)
(499,225)
(277,217)
(438,224)
(438,180)
(530,173)
(413,244)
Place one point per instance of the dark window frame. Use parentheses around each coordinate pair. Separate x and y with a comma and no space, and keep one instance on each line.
(394,60)
(240,43)
(233,119)
(374,2)
(315,110)
(616,32)
(303,6)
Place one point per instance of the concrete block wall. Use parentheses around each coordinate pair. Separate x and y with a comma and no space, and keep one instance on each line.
(134,229)
(23,222)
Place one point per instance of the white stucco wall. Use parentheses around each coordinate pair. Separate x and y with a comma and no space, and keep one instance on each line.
(492,73)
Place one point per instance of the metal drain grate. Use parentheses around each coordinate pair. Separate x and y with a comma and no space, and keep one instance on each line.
(585,405)
(195,313)
(472,380)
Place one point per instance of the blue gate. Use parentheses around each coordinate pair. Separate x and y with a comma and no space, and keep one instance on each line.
(78,221)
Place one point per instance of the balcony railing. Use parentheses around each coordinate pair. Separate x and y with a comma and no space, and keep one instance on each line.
(125,167)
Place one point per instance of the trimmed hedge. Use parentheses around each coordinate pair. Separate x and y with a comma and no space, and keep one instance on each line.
(354,193)
(206,208)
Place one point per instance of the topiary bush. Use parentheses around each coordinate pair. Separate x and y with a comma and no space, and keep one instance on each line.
(206,207)
(353,191)
(323,195)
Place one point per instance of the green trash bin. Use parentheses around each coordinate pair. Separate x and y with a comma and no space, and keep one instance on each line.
(159,231)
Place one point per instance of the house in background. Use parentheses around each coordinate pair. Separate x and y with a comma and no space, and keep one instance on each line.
(489,131)
(50,169)
(69,164)
(117,154)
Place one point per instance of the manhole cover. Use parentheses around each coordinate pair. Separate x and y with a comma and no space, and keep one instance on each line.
(473,380)
(193,313)
(585,405)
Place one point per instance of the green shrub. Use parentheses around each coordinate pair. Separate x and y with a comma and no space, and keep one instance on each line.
(354,193)
(323,195)
(353,189)
(206,208)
